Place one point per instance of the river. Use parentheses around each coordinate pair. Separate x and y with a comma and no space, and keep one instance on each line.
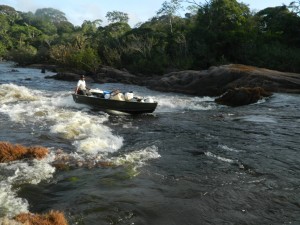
(190,162)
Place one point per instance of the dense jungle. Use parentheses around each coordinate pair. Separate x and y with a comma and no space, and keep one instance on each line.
(213,33)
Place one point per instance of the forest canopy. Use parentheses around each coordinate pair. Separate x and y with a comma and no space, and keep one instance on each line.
(210,34)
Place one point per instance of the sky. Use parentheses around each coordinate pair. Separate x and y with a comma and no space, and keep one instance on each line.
(78,11)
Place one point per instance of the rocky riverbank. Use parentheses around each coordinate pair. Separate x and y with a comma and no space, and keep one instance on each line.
(212,82)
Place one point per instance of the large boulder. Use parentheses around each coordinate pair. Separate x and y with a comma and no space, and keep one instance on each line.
(217,80)
(242,96)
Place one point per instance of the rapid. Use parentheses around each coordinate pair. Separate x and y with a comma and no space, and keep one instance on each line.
(190,162)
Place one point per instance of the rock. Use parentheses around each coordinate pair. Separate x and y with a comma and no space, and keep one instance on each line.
(212,82)
(242,96)
(67,76)
(111,75)
(217,80)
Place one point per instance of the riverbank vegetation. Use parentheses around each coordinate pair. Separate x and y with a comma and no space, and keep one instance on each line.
(213,33)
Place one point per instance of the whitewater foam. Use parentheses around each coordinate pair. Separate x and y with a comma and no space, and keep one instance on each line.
(225,147)
(138,157)
(87,131)
(12,93)
(170,103)
(223,159)
(16,173)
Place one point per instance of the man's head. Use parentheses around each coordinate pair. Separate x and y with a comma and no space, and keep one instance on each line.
(82,77)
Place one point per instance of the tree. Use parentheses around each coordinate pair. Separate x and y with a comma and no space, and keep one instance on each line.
(279,24)
(23,55)
(169,9)
(53,15)
(222,26)
(64,27)
(2,50)
(116,30)
(295,6)
(117,17)
(4,29)
(11,14)
(86,59)
(89,28)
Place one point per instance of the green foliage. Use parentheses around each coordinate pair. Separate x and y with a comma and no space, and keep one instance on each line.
(117,17)
(64,27)
(52,15)
(23,55)
(213,33)
(279,24)
(87,59)
(169,10)
(2,50)
(11,14)
(221,28)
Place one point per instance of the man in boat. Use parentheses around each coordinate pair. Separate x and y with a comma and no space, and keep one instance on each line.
(81,88)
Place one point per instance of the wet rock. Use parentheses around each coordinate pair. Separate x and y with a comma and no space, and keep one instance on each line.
(242,96)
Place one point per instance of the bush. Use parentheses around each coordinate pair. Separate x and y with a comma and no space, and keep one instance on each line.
(24,55)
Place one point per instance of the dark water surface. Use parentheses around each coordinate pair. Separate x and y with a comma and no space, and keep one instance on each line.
(190,162)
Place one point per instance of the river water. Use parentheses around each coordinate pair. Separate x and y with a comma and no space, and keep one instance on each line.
(190,162)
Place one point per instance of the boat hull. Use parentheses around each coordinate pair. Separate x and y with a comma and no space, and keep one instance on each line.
(121,106)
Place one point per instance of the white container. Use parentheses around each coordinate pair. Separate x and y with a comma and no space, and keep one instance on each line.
(149,100)
(107,96)
(128,96)
(118,97)
(98,91)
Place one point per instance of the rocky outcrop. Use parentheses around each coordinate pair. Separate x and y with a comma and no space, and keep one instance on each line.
(212,82)
(217,80)
(242,96)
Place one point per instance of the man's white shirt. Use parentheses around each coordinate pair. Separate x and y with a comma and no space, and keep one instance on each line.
(81,85)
